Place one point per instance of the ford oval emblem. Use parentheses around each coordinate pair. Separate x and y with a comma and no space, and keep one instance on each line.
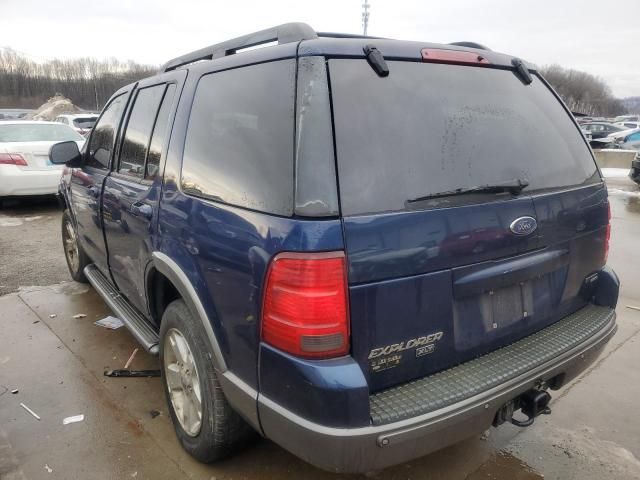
(523,226)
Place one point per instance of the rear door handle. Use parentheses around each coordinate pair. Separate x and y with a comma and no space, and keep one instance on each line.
(140,209)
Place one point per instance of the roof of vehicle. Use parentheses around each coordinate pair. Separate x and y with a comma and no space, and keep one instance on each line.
(308,42)
(624,133)
(27,122)
(299,39)
(77,115)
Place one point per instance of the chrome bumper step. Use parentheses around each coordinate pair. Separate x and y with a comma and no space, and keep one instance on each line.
(139,327)
(483,373)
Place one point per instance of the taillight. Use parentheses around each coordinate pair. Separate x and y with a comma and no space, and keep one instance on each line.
(608,234)
(305,310)
(12,159)
(438,55)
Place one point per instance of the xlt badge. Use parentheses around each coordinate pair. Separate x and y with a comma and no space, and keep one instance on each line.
(407,345)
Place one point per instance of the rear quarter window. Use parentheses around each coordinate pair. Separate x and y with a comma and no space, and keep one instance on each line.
(239,144)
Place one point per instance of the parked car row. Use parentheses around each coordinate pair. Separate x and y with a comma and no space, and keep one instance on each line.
(622,132)
(628,139)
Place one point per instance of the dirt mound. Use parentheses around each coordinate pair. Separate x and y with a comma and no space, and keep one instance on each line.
(56,105)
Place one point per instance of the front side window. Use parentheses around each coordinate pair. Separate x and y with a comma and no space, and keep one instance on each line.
(239,144)
(138,131)
(104,134)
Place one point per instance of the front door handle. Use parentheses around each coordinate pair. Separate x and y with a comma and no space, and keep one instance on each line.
(140,209)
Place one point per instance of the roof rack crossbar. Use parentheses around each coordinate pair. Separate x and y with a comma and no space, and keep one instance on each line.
(285,33)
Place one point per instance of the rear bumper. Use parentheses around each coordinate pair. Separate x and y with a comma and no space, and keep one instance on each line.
(17,182)
(381,445)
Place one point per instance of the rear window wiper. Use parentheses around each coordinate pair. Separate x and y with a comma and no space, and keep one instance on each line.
(514,187)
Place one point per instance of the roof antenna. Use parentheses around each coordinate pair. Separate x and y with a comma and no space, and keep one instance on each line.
(365,17)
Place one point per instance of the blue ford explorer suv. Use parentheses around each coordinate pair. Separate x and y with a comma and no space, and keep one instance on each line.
(362,249)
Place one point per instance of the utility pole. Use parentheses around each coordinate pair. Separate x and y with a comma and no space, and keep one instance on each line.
(365,16)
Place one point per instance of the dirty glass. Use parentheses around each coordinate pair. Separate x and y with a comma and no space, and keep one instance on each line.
(430,128)
(316,189)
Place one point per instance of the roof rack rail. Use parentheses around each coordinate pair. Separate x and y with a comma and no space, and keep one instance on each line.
(285,33)
(344,35)
(479,46)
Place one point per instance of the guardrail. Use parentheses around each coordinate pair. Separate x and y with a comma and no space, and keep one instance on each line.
(613,158)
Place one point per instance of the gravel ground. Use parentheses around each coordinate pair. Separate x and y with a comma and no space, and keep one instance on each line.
(30,246)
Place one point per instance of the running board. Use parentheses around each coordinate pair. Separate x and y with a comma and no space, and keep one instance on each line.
(139,327)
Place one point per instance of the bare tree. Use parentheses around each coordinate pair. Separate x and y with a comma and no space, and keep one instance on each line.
(583,92)
(87,82)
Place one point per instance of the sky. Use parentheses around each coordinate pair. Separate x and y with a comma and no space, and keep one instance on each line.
(589,35)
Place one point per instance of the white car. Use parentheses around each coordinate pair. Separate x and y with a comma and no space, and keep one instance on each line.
(81,122)
(628,124)
(25,168)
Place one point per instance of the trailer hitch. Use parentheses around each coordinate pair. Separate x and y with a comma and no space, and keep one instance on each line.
(532,403)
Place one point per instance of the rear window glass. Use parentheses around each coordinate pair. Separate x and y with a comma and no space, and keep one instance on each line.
(239,145)
(87,122)
(431,128)
(32,132)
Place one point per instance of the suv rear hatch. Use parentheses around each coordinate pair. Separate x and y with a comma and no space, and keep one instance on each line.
(437,279)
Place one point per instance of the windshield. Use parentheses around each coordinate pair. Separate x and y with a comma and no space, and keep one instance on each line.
(431,128)
(85,122)
(33,132)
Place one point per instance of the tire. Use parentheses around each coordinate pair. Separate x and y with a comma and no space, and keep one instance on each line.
(221,432)
(73,252)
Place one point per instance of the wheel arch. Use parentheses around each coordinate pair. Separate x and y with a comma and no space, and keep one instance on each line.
(241,396)
(179,280)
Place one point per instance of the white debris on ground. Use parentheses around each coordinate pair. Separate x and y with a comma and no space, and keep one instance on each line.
(615,172)
(112,323)
(56,105)
(73,419)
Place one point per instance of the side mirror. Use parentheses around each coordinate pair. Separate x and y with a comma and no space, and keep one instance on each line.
(65,153)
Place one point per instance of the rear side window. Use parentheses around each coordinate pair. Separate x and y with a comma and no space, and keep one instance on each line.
(239,144)
(138,132)
(159,134)
(431,128)
(104,134)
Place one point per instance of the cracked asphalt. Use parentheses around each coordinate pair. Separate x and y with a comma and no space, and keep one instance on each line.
(56,363)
